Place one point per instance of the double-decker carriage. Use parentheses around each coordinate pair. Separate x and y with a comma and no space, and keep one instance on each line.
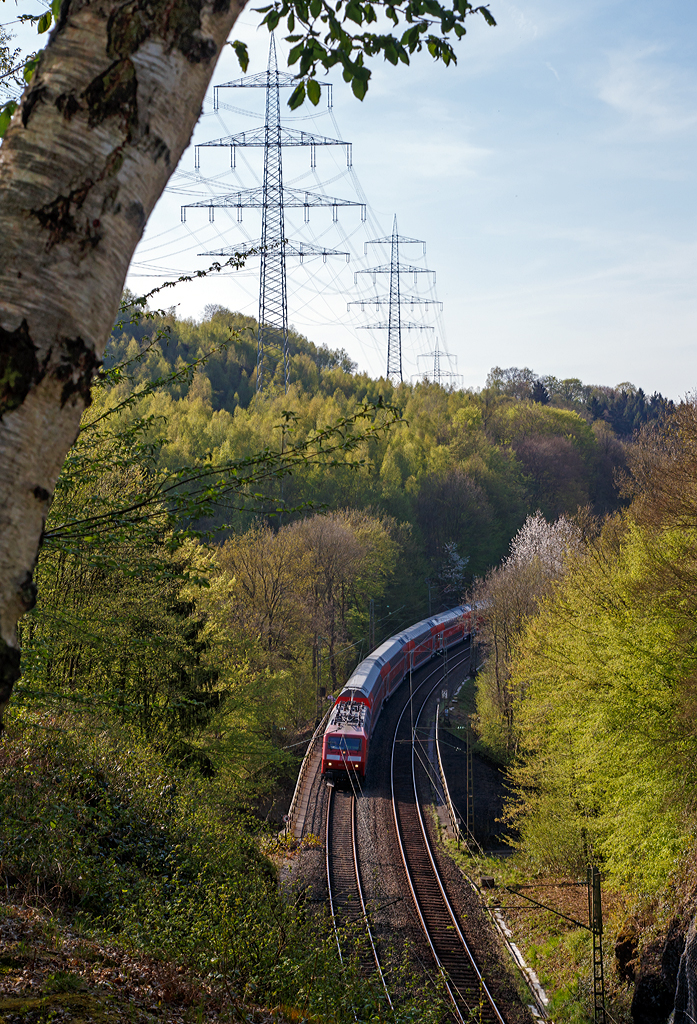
(357,708)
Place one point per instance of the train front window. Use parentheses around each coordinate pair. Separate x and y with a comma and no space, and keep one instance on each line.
(351,744)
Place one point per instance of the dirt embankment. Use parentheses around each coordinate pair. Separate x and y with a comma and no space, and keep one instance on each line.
(50,972)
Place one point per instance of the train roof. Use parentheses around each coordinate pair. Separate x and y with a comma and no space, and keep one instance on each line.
(444,617)
(364,674)
(347,715)
(416,632)
(387,648)
(363,677)
(425,627)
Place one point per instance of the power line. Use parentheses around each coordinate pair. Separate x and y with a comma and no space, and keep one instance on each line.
(394,301)
(273,198)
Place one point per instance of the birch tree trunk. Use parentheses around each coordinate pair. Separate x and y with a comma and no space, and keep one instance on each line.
(98,134)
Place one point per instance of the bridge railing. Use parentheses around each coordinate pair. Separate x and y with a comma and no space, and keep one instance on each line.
(304,769)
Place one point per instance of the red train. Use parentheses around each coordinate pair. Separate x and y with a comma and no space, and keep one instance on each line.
(357,708)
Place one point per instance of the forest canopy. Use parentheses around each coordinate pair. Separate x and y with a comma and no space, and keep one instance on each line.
(589,692)
(227,574)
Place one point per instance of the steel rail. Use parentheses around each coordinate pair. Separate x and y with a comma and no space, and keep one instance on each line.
(329,875)
(436,874)
(333,905)
(439,880)
(402,851)
(327,849)
(363,907)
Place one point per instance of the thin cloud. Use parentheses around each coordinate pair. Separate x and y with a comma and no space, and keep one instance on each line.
(651,96)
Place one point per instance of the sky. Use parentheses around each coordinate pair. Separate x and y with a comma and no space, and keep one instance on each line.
(551,173)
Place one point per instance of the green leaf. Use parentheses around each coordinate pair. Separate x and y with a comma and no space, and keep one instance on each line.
(314,91)
(31,66)
(354,12)
(44,23)
(306,62)
(315,8)
(6,113)
(391,51)
(294,54)
(241,53)
(272,19)
(487,15)
(56,8)
(359,87)
(297,97)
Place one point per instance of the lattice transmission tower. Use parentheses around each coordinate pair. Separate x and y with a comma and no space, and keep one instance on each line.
(273,198)
(394,325)
(438,374)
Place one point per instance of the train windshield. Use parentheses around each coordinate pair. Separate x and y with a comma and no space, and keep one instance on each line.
(350,743)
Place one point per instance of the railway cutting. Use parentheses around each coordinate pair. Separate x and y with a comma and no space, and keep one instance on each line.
(381,873)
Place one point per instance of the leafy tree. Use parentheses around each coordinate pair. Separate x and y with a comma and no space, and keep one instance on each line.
(123,621)
(304,587)
(82,164)
(507,598)
(513,381)
(452,508)
(602,682)
(539,393)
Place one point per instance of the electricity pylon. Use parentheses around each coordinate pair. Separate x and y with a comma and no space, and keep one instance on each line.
(394,301)
(272,199)
(439,375)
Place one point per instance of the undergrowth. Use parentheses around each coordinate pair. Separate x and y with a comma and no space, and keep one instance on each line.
(558,950)
(102,831)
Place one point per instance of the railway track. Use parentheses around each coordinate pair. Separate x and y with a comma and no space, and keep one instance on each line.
(465,985)
(438,920)
(346,900)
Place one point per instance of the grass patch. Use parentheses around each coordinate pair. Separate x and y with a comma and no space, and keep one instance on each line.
(154,882)
(558,951)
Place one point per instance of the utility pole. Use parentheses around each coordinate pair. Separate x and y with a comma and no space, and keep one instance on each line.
(319,681)
(371,627)
(594,926)
(469,810)
(273,198)
(395,300)
(595,922)
(428,584)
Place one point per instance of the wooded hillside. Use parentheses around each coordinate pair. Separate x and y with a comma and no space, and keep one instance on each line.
(209,565)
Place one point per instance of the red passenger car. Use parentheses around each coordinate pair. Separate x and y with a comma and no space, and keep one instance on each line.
(357,708)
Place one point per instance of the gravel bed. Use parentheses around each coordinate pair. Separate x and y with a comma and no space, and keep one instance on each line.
(395,924)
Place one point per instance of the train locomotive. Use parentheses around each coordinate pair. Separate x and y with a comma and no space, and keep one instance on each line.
(354,716)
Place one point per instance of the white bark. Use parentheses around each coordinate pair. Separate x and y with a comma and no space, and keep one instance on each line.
(99,132)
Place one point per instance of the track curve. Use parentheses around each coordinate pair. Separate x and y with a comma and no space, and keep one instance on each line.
(464,982)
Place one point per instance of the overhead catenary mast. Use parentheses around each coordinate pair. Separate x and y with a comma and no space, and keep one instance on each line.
(273,199)
(395,300)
